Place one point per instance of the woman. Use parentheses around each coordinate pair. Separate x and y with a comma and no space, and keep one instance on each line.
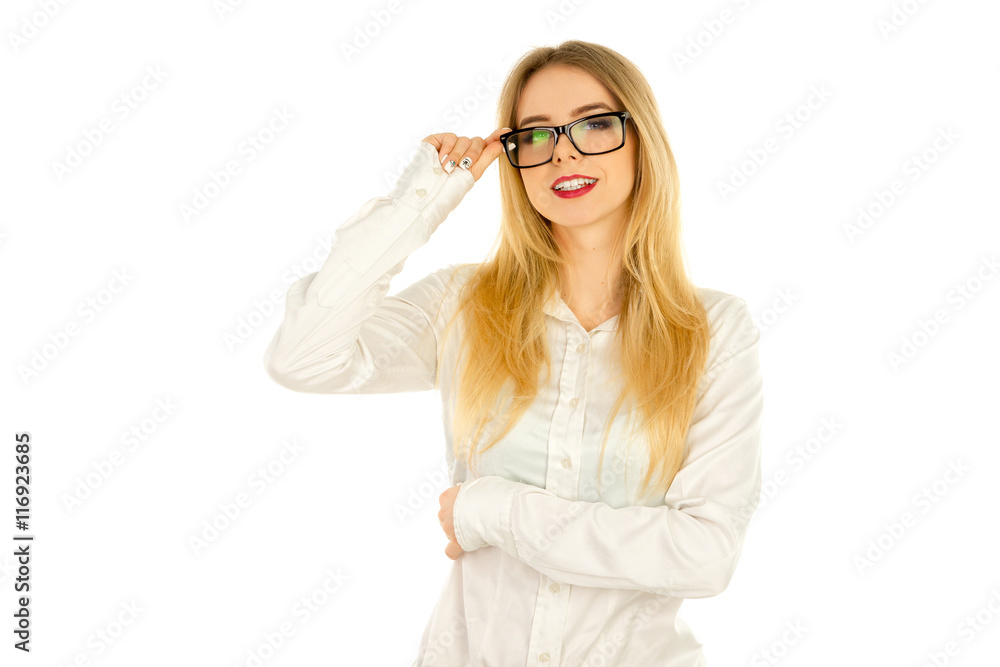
(562,555)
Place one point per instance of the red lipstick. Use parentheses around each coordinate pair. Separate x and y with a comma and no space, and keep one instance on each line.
(579,192)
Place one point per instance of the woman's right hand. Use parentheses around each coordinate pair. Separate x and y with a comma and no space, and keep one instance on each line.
(481,151)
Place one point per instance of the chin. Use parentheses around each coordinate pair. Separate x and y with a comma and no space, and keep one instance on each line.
(574,222)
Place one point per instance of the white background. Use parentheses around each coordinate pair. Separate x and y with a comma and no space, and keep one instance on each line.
(833,307)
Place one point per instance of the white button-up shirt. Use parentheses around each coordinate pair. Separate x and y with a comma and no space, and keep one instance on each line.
(562,567)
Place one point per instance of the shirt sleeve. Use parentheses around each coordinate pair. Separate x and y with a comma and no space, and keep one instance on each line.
(341,333)
(688,547)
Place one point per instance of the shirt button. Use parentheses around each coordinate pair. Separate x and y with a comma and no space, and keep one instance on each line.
(566,463)
(554,588)
(581,347)
(543,657)
(421,192)
(574,402)
(438,171)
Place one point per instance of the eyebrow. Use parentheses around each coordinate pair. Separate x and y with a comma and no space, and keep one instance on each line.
(576,112)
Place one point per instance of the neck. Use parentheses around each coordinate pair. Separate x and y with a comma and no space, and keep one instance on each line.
(590,280)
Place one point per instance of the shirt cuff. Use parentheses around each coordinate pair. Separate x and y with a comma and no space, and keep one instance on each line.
(481,514)
(426,187)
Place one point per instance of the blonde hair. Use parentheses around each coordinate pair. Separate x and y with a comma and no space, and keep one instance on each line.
(663,330)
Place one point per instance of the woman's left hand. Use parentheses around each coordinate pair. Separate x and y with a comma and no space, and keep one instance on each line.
(446,517)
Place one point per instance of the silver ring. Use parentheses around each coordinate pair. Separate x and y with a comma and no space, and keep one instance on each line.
(465,163)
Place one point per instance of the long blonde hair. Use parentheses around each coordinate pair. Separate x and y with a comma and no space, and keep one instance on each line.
(663,331)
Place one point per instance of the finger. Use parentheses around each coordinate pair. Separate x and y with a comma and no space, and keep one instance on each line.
(448,527)
(453,550)
(493,149)
(474,151)
(449,530)
(456,153)
(496,134)
(461,149)
(448,141)
(493,141)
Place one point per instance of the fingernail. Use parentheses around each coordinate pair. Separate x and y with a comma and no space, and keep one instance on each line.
(444,158)
(450,166)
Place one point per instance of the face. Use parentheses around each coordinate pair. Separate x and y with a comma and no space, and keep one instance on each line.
(556,92)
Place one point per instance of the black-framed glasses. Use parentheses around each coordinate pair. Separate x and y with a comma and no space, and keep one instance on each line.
(592,135)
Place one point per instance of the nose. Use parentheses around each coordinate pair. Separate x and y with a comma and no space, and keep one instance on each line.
(567,148)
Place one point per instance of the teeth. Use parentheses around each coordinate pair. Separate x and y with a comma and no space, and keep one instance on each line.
(575,184)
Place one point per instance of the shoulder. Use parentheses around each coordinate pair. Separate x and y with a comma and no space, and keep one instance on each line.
(455,276)
(438,288)
(450,279)
(732,325)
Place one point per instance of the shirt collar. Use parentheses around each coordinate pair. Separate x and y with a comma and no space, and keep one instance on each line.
(557,308)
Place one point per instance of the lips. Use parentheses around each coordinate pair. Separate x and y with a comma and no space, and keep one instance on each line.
(569,178)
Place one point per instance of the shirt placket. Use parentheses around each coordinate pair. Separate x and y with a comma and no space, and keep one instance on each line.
(565,448)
